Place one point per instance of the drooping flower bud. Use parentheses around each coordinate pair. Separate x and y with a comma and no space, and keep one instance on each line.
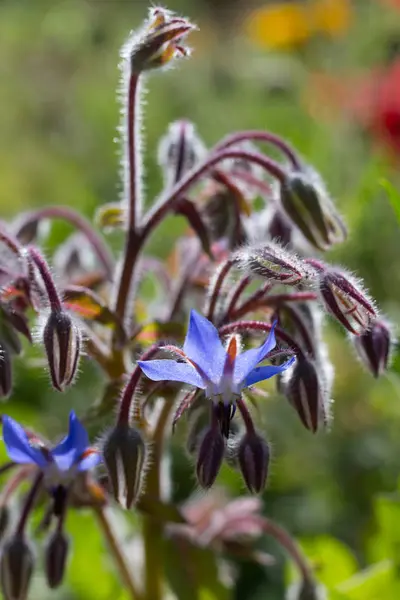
(271,261)
(254,455)
(124,454)
(16,567)
(159,42)
(307,203)
(56,555)
(210,456)
(279,228)
(305,392)
(5,372)
(221,209)
(179,150)
(373,347)
(346,300)
(62,342)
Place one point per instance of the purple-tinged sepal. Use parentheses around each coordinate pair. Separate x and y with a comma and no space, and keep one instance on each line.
(272,262)
(56,554)
(16,568)
(374,347)
(254,457)
(210,455)
(62,342)
(125,455)
(345,299)
(307,203)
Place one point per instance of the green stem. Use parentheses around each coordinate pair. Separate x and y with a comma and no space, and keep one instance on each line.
(152,528)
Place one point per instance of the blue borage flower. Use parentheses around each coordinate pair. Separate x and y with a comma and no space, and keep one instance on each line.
(222,372)
(60,464)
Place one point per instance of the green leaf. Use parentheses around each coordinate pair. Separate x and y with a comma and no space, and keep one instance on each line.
(332,560)
(375,583)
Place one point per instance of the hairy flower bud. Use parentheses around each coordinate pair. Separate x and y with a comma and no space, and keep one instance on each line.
(346,300)
(56,554)
(210,456)
(305,393)
(271,261)
(179,150)
(254,455)
(159,42)
(307,203)
(16,567)
(373,347)
(62,341)
(124,454)
(5,372)
(279,228)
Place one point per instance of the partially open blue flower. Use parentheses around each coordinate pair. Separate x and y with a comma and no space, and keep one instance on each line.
(222,372)
(73,453)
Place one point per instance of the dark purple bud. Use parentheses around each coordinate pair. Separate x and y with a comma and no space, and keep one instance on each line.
(56,555)
(273,262)
(4,520)
(305,393)
(254,455)
(5,372)
(221,209)
(62,342)
(279,228)
(210,456)
(179,150)
(373,347)
(346,300)
(16,567)
(307,203)
(124,455)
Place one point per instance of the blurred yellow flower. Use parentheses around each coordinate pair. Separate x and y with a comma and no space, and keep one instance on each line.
(288,24)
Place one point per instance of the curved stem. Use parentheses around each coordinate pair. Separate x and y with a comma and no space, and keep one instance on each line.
(116,552)
(245,326)
(129,392)
(247,420)
(253,300)
(167,200)
(287,542)
(272,301)
(43,268)
(29,503)
(216,287)
(260,136)
(77,220)
(237,292)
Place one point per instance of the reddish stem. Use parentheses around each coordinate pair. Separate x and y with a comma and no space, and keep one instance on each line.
(29,503)
(237,292)
(43,268)
(247,420)
(261,136)
(245,326)
(223,272)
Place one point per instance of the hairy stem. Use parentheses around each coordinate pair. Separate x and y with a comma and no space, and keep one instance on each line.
(216,287)
(77,220)
(246,326)
(114,547)
(43,268)
(29,503)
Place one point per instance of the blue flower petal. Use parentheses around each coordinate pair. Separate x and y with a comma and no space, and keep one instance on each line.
(263,373)
(90,461)
(170,370)
(68,451)
(17,444)
(204,347)
(246,361)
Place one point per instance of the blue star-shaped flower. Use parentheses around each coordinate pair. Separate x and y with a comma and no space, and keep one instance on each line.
(73,454)
(222,373)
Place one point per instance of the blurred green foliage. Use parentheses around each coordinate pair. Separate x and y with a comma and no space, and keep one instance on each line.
(58,118)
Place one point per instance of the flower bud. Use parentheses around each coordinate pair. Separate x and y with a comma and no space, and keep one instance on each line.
(5,372)
(346,300)
(305,393)
(159,42)
(221,211)
(4,520)
(16,567)
(179,150)
(210,456)
(271,261)
(62,341)
(307,203)
(279,228)
(56,554)
(124,454)
(373,347)
(253,455)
